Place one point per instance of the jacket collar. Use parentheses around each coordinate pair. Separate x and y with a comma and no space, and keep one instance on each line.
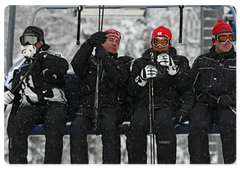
(147,54)
(224,56)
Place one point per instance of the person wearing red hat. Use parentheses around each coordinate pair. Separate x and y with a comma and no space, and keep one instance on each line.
(113,76)
(214,85)
(167,75)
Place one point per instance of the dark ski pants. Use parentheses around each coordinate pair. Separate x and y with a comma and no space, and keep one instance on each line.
(109,127)
(201,119)
(53,117)
(163,129)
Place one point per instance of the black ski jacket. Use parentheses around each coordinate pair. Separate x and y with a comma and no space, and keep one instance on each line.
(215,74)
(113,77)
(168,90)
(43,84)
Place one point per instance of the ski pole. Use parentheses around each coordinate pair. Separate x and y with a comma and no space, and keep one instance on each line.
(151,118)
(96,103)
(23,78)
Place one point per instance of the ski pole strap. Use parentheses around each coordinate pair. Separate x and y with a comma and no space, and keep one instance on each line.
(181,21)
(79,9)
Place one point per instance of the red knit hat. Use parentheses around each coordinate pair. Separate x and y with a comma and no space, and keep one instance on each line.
(220,27)
(162,32)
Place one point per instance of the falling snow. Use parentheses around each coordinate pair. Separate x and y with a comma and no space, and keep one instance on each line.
(60,30)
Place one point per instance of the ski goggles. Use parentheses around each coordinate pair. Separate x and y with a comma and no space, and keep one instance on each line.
(224,37)
(113,33)
(160,41)
(29,40)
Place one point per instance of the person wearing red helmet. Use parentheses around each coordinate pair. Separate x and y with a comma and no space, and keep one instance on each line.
(113,76)
(169,75)
(214,85)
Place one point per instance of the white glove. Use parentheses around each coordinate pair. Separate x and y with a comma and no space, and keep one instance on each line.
(147,72)
(8,97)
(29,51)
(165,60)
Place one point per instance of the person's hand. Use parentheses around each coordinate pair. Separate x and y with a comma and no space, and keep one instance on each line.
(97,38)
(165,60)
(29,51)
(100,51)
(181,116)
(225,101)
(146,73)
(8,97)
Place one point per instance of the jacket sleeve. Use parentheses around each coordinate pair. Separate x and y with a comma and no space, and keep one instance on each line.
(55,63)
(183,81)
(182,78)
(117,70)
(133,87)
(80,60)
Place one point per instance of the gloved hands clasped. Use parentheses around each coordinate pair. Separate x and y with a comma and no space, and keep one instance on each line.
(165,60)
(146,73)
(8,97)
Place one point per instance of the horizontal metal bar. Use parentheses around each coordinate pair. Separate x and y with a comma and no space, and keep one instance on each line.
(117,7)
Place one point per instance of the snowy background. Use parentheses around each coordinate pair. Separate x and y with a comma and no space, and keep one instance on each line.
(136,26)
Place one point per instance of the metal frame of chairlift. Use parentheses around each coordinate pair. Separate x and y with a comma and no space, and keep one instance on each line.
(12,14)
(122,6)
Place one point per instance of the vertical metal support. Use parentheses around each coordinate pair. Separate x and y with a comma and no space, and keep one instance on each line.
(10,40)
(181,22)
(209,18)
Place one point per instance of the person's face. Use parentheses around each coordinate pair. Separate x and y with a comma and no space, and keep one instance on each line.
(111,45)
(222,48)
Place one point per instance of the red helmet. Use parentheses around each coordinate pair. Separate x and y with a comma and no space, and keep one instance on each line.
(162,32)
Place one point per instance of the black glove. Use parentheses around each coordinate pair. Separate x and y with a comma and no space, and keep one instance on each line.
(225,101)
(97,38)
(100,52)
(181,116)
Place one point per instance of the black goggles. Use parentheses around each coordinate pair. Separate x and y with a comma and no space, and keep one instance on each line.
(29,39)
